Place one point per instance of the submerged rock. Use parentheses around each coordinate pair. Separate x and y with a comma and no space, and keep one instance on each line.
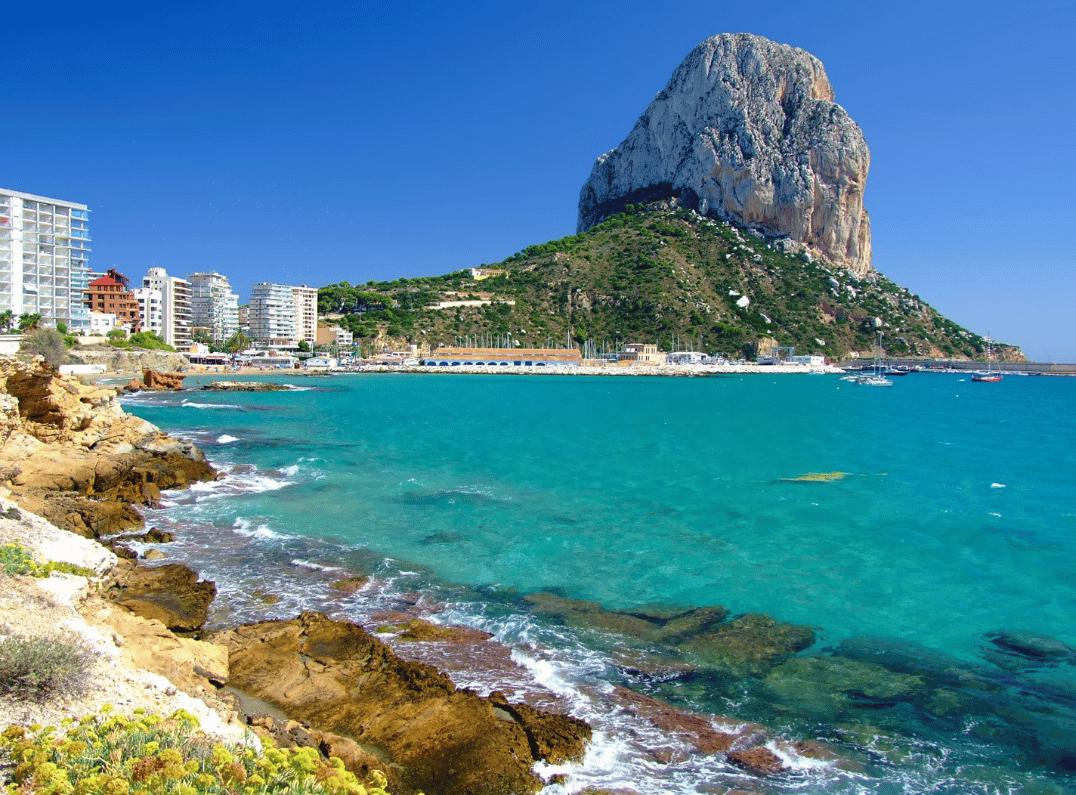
(438,739)
(760,760)
(1018,650)
(659,626)
(747,646)
(829,688)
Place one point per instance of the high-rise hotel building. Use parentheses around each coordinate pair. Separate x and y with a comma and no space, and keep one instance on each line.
(214,306)
(175,306)
(44,245)
(281,315)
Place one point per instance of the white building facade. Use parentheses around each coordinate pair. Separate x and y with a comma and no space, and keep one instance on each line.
(272,315)
(44,246)
(175,306)
(214,306)
(101,323)
(306,313)
(149,308)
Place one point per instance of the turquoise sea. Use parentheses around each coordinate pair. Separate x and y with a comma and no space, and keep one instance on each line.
(951,518)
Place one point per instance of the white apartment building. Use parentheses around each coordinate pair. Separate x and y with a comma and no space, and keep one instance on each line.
(101,323)
(175,306)
(149,308)
(44,245)
(272,315)
(306,313)
(213,305)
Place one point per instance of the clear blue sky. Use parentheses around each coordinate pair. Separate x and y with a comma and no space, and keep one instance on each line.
(354,141)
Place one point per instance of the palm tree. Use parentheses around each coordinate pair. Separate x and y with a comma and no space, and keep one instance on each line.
(7,317)
(29,322)
(237,342)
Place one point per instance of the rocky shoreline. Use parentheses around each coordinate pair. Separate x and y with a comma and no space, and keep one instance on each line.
(72,460)
(70,454)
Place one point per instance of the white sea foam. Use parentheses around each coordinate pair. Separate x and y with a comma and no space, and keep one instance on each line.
(997,485)
(290,471)
(192,405)
(306,564)
(226,439)
(244,527)
(548,673)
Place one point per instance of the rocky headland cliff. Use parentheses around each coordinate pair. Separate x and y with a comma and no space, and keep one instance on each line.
(747,131)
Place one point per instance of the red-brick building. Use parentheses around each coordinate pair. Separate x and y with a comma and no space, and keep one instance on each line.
(109,295)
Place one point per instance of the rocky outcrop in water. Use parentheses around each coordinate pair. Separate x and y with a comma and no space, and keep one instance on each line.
(243,386)
(747,131)
(434,737)
(697,639)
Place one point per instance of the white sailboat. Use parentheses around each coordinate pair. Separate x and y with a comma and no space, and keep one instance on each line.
(993,372)
(875,377)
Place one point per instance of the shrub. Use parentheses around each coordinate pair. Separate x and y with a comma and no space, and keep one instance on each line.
(147,339)
(47,343)
(17,560)
(147,754)
(39,668)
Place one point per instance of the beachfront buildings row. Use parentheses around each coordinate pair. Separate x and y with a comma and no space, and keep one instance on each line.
(44,271)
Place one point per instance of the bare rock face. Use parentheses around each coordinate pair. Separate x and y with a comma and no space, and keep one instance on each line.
(433,737)
(162,381)
(170,594)
(70,453)
(747,131)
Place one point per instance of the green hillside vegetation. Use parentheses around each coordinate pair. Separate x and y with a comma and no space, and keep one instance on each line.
(660,274)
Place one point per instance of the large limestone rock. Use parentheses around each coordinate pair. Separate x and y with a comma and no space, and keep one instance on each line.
(433,737)
(747,131)
(70,453)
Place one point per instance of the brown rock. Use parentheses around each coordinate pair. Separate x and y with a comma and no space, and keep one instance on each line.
(196,667)
(418,630)
(162,381)
(70,453)
(170,594)
(759,760)
(445,741)
(697,730)
(351,584)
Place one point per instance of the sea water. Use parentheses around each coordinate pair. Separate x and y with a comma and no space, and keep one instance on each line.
(946,513)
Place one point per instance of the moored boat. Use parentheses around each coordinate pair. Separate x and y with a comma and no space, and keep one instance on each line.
(876,376)
(992,374)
